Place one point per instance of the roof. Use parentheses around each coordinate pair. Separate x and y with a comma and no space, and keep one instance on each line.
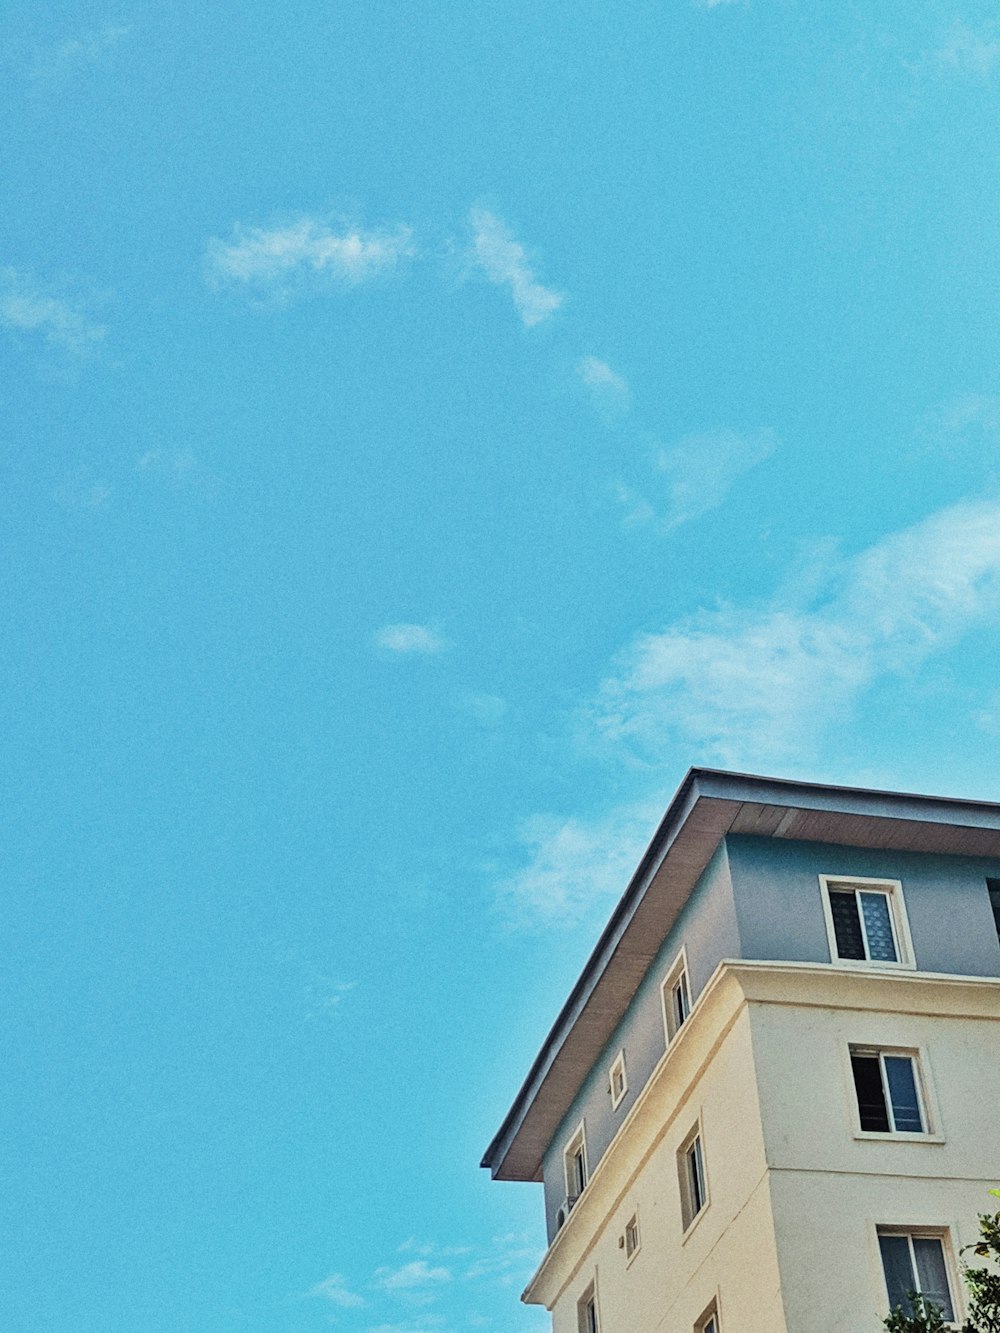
(709,804)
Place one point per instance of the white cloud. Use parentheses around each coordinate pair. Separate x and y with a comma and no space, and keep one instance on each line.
(416,1275)
(489,710)
(92,48)
(405,639)
(25,307)
(307,251)
(750,686)
(574,865)
(607,387)
(335,1289)
(505,263)
(701,469)
(968,52)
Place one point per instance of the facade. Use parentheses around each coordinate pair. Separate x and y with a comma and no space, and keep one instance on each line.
(771,1103)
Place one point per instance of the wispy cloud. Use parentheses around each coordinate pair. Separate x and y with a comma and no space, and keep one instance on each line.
(752,685)
(489,710)
(90,48)
(414,1276)
(607,388)
(81,491)
(335,1290)
(303,254)
(966,51)
(701,469)
(505,263)
(411,640)
(574,865)
(26,307)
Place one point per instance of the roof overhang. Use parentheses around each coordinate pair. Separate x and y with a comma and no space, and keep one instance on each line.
(709,804)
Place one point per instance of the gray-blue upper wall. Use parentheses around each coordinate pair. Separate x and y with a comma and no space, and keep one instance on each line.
(780,913)
(759,898)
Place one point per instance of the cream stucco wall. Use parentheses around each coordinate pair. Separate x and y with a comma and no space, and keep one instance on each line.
(787,1243)
(830,1185)
(706,1077)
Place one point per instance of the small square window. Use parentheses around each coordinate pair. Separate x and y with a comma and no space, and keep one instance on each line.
(888,1087)
(916,1260)
(866,921)
(631,1236)
(676,997)
(691,1172)
(575,1165)
(618,1081)
(586,1311)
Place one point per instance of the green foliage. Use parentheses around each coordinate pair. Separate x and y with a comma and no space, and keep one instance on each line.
(984,1283)
(926,1317)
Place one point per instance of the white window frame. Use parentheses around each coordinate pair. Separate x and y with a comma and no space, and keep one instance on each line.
(951,1267)
(577,1142)
(618,1067)
(689,1217)
(587,1299)
(899,922)
(631,1238)
(676,975)
(926,1097)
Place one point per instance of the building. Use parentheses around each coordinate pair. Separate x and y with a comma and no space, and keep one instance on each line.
(771,1103)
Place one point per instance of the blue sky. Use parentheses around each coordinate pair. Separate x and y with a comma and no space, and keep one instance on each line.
(431,427)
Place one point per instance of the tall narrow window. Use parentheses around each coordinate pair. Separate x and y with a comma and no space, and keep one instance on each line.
(618,1081)
(676,997)
(915,1261)
(586,1311)
(631,1237)
(865,921)
(709,1322)
(691,1170)
(575,1163)
(887,1085)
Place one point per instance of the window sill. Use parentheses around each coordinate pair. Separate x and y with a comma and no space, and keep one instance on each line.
(867,964)
(881,1136)
(693,1224)
(631,1258)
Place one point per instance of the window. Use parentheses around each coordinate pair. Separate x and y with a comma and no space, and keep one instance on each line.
(575,1163)
(915,1261)
(887,1085)
(617,1081)
(676,997)
(866,921)
(691,1170)
(994,889)
(586,1311)
(631,1237)
(709,1322)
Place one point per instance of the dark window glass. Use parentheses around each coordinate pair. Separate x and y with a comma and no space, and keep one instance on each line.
(871,1097)
(994,887)
(578,1172)
(846,924)
(903,1094)
(915,1263)
(878,927)
(932,1276)
(697,1177)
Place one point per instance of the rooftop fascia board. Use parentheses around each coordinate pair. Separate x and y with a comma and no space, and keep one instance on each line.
(718,785)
